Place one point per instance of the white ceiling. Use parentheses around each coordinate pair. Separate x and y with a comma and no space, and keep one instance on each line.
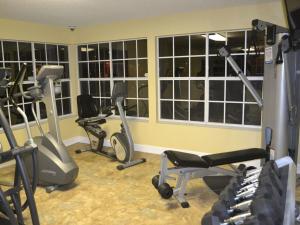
(87,12)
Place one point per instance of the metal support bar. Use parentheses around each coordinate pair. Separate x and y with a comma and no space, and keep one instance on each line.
(225,53)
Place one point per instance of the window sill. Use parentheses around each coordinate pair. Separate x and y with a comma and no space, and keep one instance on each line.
(210,125)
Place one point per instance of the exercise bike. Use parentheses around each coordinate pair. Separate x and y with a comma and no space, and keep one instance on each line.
(121,142)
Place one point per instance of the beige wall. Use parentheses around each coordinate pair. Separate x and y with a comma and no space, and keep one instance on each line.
(153,132)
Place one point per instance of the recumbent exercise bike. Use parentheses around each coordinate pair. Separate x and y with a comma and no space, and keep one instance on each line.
(90,120)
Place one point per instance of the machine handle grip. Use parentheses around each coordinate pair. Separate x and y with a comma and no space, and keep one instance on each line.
(6,156)
(19,80)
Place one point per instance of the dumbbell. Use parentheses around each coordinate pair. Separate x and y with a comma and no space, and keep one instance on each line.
(224,210)
(266,208)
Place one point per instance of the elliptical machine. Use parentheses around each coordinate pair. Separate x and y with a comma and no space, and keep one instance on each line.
(10,200)
(55,166)
(90,121)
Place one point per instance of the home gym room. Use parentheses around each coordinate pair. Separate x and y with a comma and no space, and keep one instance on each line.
(149,112)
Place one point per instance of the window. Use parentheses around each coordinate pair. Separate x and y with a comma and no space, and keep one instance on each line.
(14,53)
(198,85)
(100,65)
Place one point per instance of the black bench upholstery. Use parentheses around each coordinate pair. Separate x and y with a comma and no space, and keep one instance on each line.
(182,159)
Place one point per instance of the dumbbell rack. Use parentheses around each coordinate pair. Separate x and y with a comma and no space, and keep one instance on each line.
(263,196)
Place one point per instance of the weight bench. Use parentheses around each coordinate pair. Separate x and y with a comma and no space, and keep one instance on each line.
(190,166)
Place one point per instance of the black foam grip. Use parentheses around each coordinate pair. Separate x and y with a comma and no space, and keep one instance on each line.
(6,156)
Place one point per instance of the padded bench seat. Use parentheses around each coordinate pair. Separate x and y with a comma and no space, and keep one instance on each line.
(182,159)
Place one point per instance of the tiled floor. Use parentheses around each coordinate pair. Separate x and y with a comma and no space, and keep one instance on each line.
(102,195)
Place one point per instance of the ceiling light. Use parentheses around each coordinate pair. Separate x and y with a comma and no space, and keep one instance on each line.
(216,37)
(83,49)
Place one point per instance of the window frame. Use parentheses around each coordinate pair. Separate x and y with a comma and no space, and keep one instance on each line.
(206,78)
(111,78)
(33,81)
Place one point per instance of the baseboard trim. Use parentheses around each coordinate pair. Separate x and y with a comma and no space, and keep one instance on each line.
(155,149)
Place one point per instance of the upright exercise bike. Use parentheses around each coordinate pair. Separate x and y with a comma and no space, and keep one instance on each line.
(11,205)
(121,142)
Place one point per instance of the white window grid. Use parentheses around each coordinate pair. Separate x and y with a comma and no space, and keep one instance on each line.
(33,80)
(206,80)
(112,79)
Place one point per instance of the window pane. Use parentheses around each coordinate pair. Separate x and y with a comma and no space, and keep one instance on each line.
(166,108)
(181,67)
(40,52)
(65,89)
(240,62)
(104,51)
(118,70)
(94,88)
(216,112)
(234,113)
(197,111)
(143,108)
(66,106)
(43,112)
(105,69)
(130,68)
(255,65)
(15,117)
(83,70)
(105,88)
(216,41)
(25,51)
(142,48)
(181,89)
(166,89)
(166,67)
(10,51)
(131,107)
(27,108)
(29,72)
(117,50)
(82,53)
(63,53)
(143,89)
(105,103)
(216,66)
(216,90)
(258,87)
(93,52)
(198,43)
(181,45)
(181,110)
(143,67)
(130,49)
(252,114)
(236,41)
(51,52)
(14,67)
(198,66)
(197,89)
(257,38)
(84,88)
(131,89)
(66,70)
(59,107)
(94,69)
(165,46)
(234,91)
